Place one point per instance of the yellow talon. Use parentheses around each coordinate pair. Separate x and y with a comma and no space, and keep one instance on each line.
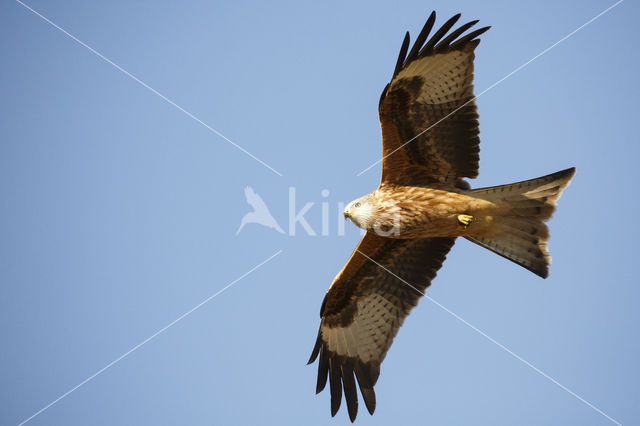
(464,220)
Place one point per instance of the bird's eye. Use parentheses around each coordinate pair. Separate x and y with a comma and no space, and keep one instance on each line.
(356,205)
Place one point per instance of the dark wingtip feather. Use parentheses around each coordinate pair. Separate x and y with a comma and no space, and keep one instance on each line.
(444,44)
(365,382)
(323,371)
(369,397)
(422,37)
(350,393)
(402,54)
(335,383)
(383,94)
(469,37)
(439,34)
(316,349)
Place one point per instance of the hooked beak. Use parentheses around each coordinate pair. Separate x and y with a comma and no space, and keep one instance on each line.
(347,214)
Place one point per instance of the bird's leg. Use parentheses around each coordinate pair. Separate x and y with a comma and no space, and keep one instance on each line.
(464,220)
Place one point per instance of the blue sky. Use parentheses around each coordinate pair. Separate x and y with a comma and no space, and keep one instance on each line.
(119,213)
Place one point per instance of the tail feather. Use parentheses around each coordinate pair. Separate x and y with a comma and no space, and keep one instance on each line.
(519,233)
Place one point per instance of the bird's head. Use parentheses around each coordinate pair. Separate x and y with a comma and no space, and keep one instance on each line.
(362,211)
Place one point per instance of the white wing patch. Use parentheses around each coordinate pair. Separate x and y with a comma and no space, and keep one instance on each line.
(447,76)
(370,334)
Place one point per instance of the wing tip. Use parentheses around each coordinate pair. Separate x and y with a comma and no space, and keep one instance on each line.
(342,373)
(349,384)
(335,384)
(421,49)
(316,349)
(369,396)
(402,54)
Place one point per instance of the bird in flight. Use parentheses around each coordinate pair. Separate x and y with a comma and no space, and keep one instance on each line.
(429,144)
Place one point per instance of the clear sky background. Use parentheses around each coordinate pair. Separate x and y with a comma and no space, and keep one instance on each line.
(119,213)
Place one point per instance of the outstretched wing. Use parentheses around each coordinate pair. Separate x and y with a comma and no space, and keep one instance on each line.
(364,308)
(427,112)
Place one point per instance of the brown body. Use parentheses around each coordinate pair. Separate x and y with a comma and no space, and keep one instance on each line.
(425,212)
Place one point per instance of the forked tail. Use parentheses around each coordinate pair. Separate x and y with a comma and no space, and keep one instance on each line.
(519,233)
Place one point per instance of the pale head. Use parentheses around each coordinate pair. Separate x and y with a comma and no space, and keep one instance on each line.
(362,211)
